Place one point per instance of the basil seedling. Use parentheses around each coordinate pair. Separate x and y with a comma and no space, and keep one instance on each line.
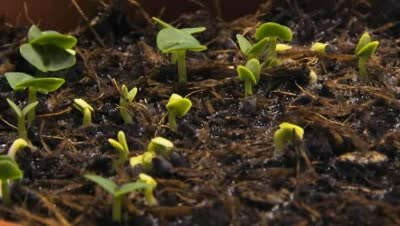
(21,117)
(21,81)
(9,170)
(117,192)
(49,50)
(125,100)
(252,50)
(177,106)
(86,111)
(16,146)
(287,134)
(364,50)
(122,147)
(250,74)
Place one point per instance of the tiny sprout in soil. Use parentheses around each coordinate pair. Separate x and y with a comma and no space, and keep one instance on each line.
(287,134)
(9,170)
(250,74)
(49,50)
(16,146)
(149,190)
(125,101)
(21,81)
(122,147)
(319,48)
(117,192)
(21,116)
(364,50)
(145,160)
(273,31)
(86,110)
(177,106)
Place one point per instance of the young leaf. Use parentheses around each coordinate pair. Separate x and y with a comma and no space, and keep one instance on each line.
(245,74)
(368,50)
(130,187)
(32,55)
(193,30)
(15,108)
(34,32)
(244,44)
(15,78)
(81,104)
(9,169)
(29,108)
(364,40)
(42,85)
(116,144)
(271,29)
(163,24)
(132,94)
(122,140)
(105,183)
(55,39)
(171,40)
(179,105)
(258,48)
(255,67)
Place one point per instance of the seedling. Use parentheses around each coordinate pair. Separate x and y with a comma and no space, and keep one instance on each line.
(148,191)
(49,50)
(86,110)
(273,31)
(125,100)
(16,146)
(250,74)
(9,170)
(145,160)
(122,147)
(161,146)
(177,106)
(252,50)
(21,117)
(21,81)
(117,192)
(175,41)
(319,48)
(287,134)
(364,50)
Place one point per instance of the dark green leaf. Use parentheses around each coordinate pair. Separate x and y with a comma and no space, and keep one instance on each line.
(258,48)
(42,85)
(9,169)
(171,40)
(15,78)
(105,183)
(271,29)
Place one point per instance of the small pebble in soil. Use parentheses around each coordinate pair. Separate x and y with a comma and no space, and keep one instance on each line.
(162,167)
(248,105)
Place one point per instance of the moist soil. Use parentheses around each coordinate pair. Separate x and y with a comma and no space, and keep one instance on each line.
(223,170)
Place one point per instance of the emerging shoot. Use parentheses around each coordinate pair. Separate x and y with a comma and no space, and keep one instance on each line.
(16,146)
(117,192)
(148,191)
(319,48)
(86,110)
(21,81)
(364,50)
(273,31)
(252,50)
(49,50)
(9,170)
(122,147)
(287,134)
(21,117)
(161,146)
(125,100)
(250,74)
(145,160)
(177,106)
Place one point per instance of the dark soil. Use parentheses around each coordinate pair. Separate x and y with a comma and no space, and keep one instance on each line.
(223,171)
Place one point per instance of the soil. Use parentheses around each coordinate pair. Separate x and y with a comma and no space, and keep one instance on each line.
(223,170)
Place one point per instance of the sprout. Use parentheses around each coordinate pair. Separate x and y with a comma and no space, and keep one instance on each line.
(252,50)
(319,48)
(16,146)
(364,50)
(177,106)
(125,100)
(21,117)
(122,147)
(273,31)
(250,74)
(145,160)
(280,47)
(117,192)
(175,41)
(21,81)
(49,50)
(148,191)
(160,146)
(287,134)
(86,110)
(9,170)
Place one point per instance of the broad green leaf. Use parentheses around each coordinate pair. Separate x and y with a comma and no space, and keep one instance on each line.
(368,50)
(364,40)
(105,183)
(9,169)
(245,74)
(116,145)
(34,32)
(28,108)
(15,108)
(170,40)
(193,30)
(255,67)
(130,187)
(15,78)
(258,48)
(179,105)
(33,56)
(271,29)
(56,39)
(42,85)
(244,44)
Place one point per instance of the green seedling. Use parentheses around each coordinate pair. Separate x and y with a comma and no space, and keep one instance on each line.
(250,74)
(86,110)
(149,190)
(177,106)
(16,146)
(9,170)
(319,48)
(273,31)
(252,50)
(117,192)
(122,147)
(125,100)
(49,50)
(161,146)
(364,50)
(287,134)
(21,81)
(145,160)
(175,41)
(21,116)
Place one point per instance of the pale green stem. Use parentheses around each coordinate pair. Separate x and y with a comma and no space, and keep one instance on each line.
(174,58)
(5,192)
(32,97)
(22,129)
(117,209)
(248,89)
(172,121)
(87,117)
(124,111)
(362,67)
(150,199)
(271,53)
(182,73)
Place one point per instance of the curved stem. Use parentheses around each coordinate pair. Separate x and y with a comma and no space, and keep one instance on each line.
(31,98)
(172,121)
(362,68)
(248,89)
(5,192)
(181,58)
(117,209)
(87,117)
